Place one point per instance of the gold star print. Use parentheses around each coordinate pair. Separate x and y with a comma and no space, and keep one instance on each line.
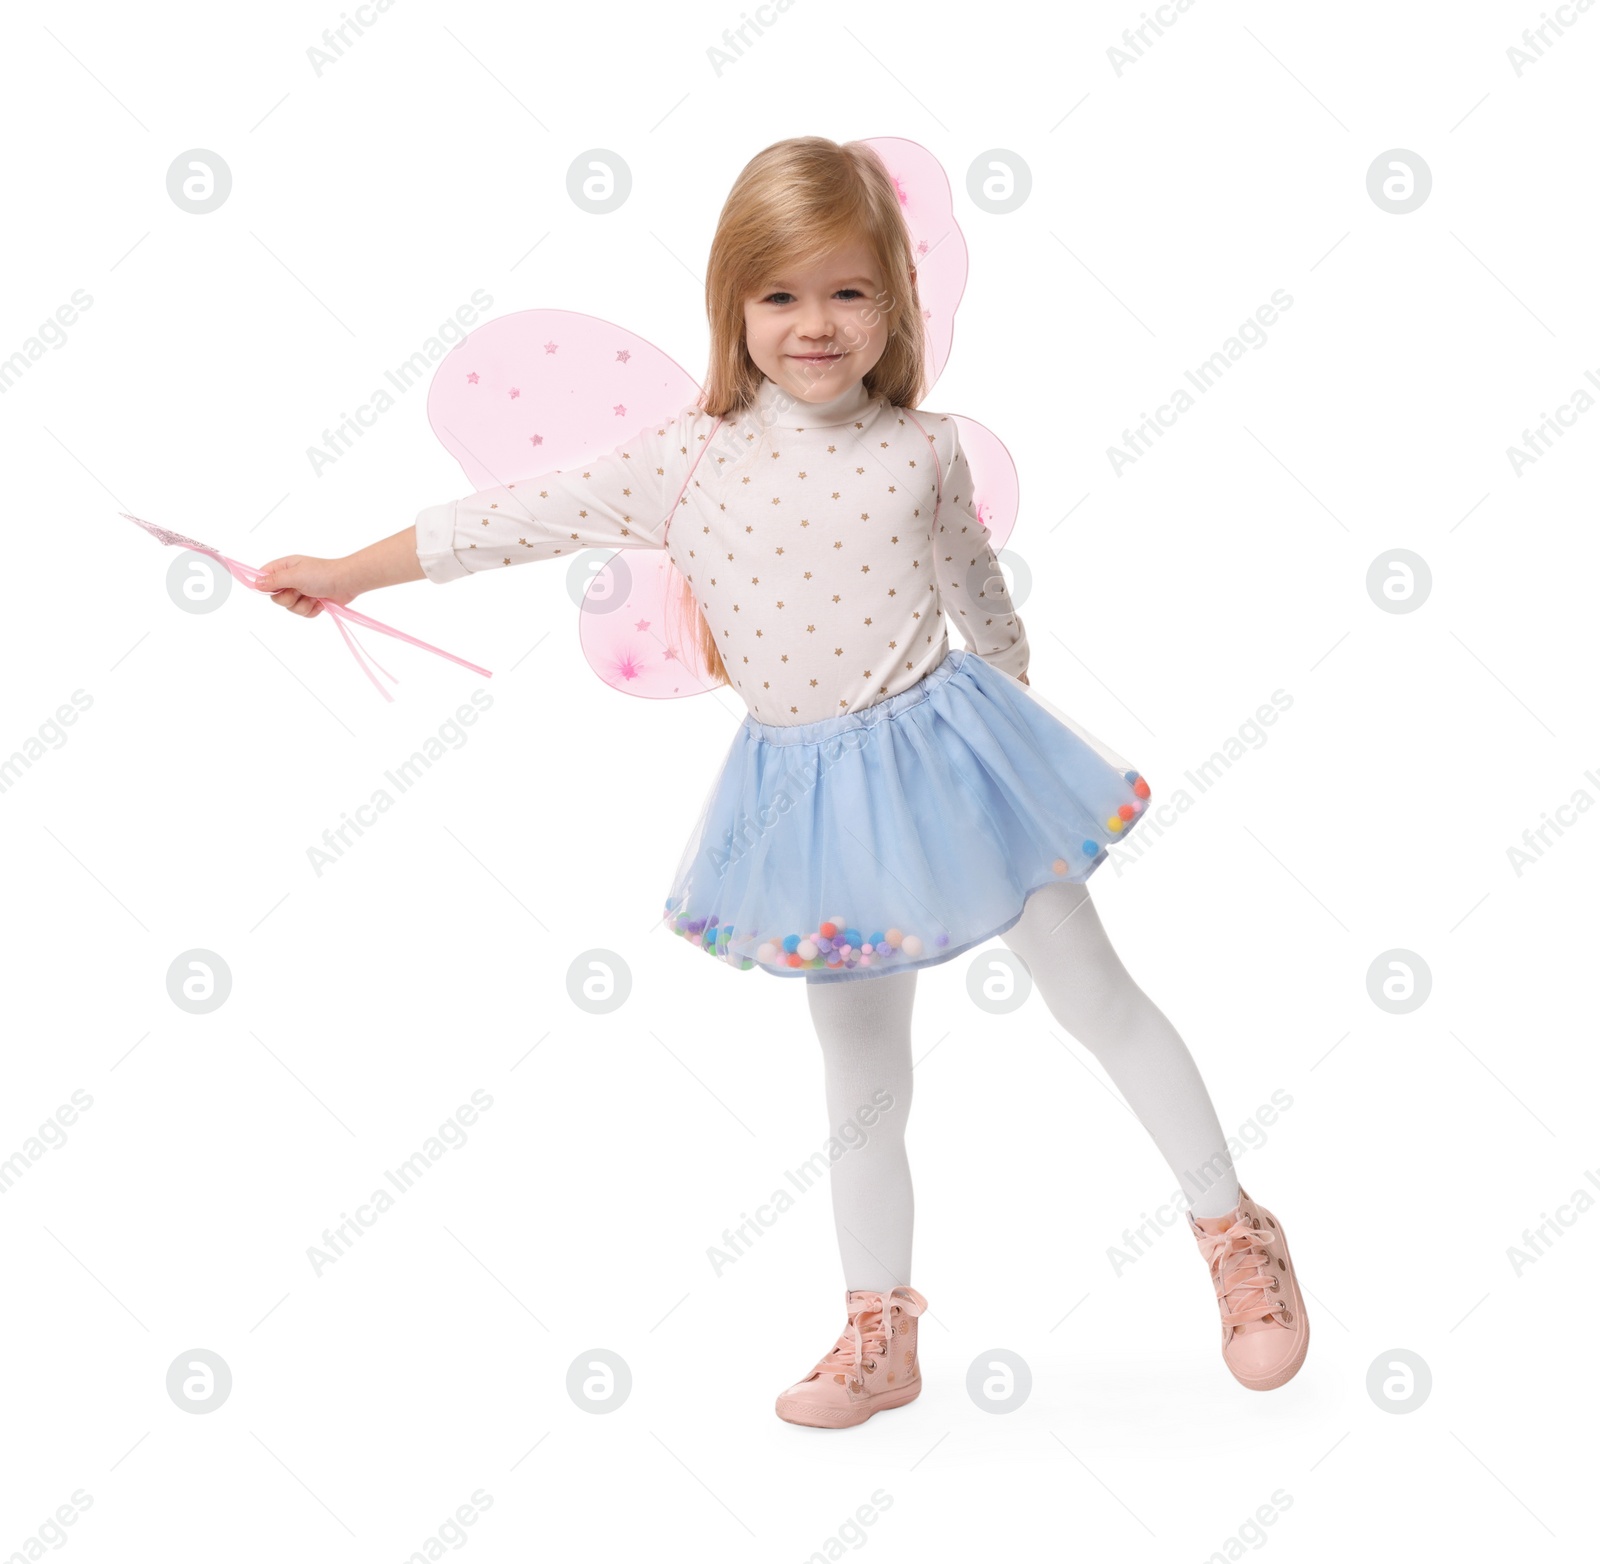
(775,501)
(811,627)
(893,645)
(838,545)
(865,516)
(780,602)
(838,651)
(813,686)
(836,597)
(779,551)
(865,569)
(801,475)
(755,580)
(866,621)
(808,575)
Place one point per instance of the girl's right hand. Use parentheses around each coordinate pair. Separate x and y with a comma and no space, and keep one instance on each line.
(297,580)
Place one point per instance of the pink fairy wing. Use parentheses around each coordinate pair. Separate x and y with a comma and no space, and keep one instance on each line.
(538,390)
(635,632)
(994,478)
(941,259)
(937,246)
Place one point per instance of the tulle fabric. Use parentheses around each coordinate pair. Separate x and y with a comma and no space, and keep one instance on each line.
(897,837)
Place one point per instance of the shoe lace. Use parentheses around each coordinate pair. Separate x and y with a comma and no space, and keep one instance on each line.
(865,1337)
(1241,1261)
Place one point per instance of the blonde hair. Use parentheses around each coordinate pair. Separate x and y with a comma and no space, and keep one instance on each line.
(794,204)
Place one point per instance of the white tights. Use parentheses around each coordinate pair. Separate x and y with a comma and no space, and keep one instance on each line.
(864,1025)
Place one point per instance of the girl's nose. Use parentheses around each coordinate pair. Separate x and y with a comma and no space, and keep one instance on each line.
(815,323)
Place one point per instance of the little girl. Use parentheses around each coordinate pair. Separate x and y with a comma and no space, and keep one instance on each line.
(889,802)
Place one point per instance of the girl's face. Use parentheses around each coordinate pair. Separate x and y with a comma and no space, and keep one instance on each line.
(816,333)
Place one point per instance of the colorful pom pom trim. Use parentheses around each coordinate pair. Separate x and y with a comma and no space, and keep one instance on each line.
(835,945)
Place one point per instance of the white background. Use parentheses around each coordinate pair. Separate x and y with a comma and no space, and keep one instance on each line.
(367,1004)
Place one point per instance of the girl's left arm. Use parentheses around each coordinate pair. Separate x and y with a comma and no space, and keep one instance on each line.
(972,586)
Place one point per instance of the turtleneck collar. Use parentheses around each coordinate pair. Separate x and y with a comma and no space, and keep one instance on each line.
(775,407)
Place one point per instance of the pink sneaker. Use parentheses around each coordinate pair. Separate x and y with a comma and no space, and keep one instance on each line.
(1265,1331)
(873,1365)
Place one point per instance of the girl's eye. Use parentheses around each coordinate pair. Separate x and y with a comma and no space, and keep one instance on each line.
(774,298)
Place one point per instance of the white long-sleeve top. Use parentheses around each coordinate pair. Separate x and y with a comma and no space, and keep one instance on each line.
(806,530)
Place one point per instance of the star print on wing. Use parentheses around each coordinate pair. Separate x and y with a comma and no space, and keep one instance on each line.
(623,355)
(642,624)
(549,347)
(472,379)
(620,410)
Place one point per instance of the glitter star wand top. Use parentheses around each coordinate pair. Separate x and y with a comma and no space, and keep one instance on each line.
(248,574)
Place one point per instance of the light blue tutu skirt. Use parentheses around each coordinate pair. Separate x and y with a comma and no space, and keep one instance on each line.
(896,837)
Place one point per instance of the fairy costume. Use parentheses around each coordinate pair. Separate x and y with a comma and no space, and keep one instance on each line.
(888,802)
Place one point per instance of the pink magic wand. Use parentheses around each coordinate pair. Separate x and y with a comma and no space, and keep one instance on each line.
(248,574)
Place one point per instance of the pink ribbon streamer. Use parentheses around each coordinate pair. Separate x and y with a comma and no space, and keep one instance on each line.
(249,575)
